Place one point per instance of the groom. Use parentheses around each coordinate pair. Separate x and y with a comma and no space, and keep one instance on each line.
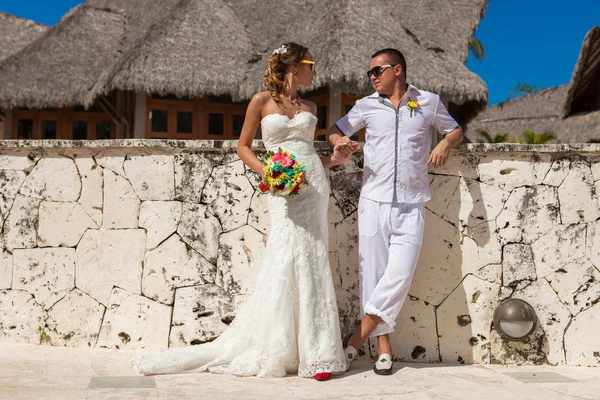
(399,121)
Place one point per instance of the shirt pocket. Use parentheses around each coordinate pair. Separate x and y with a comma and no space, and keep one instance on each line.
(367,217)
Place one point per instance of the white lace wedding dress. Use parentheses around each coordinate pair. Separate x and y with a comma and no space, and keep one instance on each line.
(290,322)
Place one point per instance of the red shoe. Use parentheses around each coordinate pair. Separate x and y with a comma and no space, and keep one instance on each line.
(322,376)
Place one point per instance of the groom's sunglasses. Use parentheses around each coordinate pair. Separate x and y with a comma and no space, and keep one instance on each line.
(378,70)
(311,63)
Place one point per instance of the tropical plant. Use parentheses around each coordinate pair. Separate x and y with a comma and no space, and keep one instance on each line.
(530,137)
(476,49)
(523,89)
(499,137)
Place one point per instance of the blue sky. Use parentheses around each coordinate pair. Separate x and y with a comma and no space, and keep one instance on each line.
(529,41)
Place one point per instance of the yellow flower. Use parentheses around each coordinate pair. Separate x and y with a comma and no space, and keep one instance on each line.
(412,106)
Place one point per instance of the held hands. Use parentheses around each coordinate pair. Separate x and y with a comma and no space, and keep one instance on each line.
(343,149)
(439,155)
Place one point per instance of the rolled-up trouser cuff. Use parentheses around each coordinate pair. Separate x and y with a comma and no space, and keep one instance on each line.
(386,325)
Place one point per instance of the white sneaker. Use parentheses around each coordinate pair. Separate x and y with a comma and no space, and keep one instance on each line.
(351,355)
(384,364)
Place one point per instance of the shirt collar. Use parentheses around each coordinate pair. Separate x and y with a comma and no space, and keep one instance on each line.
(382,98)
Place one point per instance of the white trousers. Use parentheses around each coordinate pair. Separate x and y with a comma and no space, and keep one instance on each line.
(390,237)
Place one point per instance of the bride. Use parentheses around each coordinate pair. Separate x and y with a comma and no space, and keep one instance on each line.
(290,322)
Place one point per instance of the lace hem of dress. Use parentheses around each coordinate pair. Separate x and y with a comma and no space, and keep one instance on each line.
(309,371)
(141,366)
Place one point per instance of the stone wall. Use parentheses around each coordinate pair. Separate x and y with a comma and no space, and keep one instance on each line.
(147,244)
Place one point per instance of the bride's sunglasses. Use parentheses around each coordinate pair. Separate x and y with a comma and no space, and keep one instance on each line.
(378,70)
(311,63)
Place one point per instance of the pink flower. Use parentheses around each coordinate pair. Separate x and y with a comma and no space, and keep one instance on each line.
(283,159)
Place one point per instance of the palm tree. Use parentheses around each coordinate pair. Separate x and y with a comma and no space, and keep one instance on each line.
(476,48)
(499,137)
(536,138)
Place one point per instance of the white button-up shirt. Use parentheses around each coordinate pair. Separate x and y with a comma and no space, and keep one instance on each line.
(397,144)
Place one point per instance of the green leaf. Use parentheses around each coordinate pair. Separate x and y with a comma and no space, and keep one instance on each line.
(476,48)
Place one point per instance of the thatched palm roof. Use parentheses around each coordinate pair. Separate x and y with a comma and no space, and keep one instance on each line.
(584,89)
(342,35)
(16,33)
(572,111)
(62,67)
(199,47)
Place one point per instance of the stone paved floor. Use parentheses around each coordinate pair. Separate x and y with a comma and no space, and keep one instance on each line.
(49,373)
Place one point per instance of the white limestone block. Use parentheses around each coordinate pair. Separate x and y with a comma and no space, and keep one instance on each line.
(491,273)
(334,217)
(474,202)
(258,214)
(509,171)
(152,176)
(135,323)
(577,284)
(595,165)
(528,213)
(92,182)
(518,265)
(577,195)
(75,320)
(464,320)
(62,224)
(240,259)
(347,248)
(10,182)
(557,173)
(201,313)
(174,264)
(558,248)
(439,269)
(228,194)
(459,164)
(160,219)
(121,204)
(582,338)
(443,189)
(20,317)
(415,338)
(108,258)
(6,269)
(200,230)
(593,243)
(19,228)
(53,178)
(489,248)
(112,160)
(192,170)
(18,159)
(48,273)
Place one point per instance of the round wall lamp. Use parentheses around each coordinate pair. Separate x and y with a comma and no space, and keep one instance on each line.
(514,319)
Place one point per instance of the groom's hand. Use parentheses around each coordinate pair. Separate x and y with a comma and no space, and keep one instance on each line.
(345,147)
(342,150)
(439,155)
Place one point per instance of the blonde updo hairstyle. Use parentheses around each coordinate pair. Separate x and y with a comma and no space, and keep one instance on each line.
(274,79)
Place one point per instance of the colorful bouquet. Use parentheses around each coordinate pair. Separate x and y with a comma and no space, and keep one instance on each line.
(283,175)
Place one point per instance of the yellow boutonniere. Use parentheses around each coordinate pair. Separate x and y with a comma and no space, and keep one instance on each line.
(412,106)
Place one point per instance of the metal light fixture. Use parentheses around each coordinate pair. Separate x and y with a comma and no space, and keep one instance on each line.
(514,319)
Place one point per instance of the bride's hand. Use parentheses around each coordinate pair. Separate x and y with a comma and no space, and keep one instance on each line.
(343,150)
(345,146)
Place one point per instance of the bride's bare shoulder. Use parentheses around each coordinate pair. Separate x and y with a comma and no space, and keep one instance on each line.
(262,98)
